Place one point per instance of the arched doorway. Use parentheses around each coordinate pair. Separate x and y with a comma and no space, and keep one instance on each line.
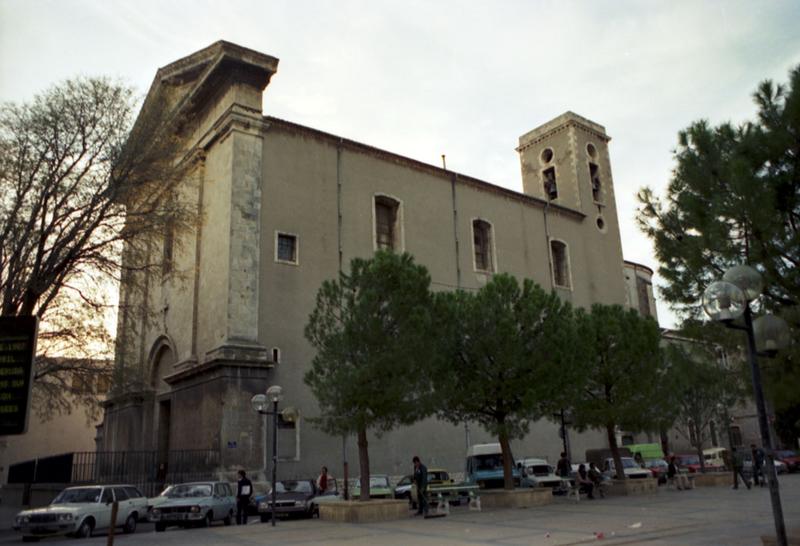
(163,360)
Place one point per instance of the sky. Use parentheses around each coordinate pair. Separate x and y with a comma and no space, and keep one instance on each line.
(462,78)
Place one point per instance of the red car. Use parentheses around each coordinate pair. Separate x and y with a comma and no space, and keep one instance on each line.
(690,461)
(659,469)
(790,458)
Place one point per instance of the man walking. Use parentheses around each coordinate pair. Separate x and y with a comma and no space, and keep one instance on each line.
(757,456)
(738,467)
(243,493)
(421,481)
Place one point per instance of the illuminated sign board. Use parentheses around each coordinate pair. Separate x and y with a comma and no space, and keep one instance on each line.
(17,349)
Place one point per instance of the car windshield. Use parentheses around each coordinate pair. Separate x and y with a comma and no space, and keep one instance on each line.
(90,494)
(690,459)
(627,462)
(785,454)
(656,463)
(294,486)
(438,476)
(405,481)
(539,469)
(378,481)
(165,492)
(489,462)
(189,490)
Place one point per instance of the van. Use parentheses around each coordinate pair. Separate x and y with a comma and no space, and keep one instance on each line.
(485,467)
(714,458)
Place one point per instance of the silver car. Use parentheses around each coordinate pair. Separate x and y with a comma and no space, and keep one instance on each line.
(78,511)
(195,504)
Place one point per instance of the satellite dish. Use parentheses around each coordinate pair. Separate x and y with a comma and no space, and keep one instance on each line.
(290,414)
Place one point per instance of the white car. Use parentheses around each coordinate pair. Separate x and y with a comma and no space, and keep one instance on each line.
(630,467)
(539,473)
(78,511)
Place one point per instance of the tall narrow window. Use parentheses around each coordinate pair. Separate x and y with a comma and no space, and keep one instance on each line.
(386,223)
(594,176)
(549,182)
(643,295)
(558,251)
(482,245)
(169,248)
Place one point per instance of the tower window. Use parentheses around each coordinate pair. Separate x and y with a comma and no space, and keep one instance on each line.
(558,251)
(286,248)
(594,176)
(643,295)
(549,182)
(386,224)
(482,245)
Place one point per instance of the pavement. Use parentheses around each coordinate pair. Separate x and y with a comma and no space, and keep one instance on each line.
(701,517)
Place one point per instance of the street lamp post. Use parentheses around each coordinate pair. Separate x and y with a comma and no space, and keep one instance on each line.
(725,301)
(260,403)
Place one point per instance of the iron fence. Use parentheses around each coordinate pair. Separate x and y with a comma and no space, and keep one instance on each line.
(148,470)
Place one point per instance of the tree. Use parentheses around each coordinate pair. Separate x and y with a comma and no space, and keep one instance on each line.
(623,373)
(734,198)
(371,328)
(75,183)
(507,354)
(700,386)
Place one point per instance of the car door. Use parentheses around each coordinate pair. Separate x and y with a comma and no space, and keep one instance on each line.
(230,499)
(220,501)
(102,513)
(124,505)
(138,501)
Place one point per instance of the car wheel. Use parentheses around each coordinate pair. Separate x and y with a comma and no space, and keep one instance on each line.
(130,524)
(264,518)
(160,527)
(228,519)
(85,530)
(314,510)
(206,521)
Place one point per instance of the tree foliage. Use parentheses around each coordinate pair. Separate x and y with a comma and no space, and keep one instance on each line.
(75,183)
(508,354)
(370,328)
(624,373)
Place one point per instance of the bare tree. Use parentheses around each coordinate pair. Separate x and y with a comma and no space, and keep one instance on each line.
(76,182)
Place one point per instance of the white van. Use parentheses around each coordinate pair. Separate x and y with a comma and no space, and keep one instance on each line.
(714,458)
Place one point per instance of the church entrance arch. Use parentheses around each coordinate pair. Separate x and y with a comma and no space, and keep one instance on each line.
(163,360)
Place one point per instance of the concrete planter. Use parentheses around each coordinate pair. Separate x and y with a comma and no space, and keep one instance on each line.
(642,486)
(364,512)
(518,498)
(710,480)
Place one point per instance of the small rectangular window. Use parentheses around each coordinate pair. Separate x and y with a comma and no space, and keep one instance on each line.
(558,251)
(643,295)
(482,244)
(286,250)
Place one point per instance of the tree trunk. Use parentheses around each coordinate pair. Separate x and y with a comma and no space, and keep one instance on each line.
(612,443)
(363,463)
(508,464)
(664,442)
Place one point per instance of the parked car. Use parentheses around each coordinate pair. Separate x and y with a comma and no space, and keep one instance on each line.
(195,504)
(747,467)
(405,487)
(158,500)
(629,467)
(379,487)
(79,511)
(292,497)
(790,458)
(540,473)
(658,467)
(689,461)
(260,492)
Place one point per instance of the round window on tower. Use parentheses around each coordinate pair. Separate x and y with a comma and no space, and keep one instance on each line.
(547,156)
(601,224)
(591,150)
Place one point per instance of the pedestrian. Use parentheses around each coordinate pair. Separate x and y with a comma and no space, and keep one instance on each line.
(597,478)
(583,483)
(757,456)
(421,481)
(674,475)
(738,469)
(564,467)
(243,493)
(325,481)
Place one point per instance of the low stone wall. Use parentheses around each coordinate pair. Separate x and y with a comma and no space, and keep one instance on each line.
(364,512)
(712,479)
(641,486)
(518,498)
(792,538)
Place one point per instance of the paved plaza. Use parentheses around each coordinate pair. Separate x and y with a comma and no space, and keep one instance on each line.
(704,516)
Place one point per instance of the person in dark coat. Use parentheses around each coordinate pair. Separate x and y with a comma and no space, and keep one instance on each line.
(244,491)
(564,467)
(421,481)
(757,456)
(738,469)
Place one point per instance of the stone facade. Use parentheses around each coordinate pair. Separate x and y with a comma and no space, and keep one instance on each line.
(233,323)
